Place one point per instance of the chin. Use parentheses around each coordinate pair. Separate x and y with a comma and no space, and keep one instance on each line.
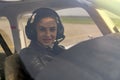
(47,44)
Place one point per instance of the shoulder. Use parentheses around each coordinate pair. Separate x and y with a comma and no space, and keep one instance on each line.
(58,49)
(26,51)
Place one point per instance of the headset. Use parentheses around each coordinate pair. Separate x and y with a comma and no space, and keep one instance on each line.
(39,14)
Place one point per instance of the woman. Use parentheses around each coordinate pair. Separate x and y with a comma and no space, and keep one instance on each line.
(45,32)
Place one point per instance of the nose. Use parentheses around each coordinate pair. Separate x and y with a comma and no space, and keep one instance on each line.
(48,33)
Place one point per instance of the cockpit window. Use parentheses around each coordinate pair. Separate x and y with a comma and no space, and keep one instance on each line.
(78,26)
(115,19)
(5,31)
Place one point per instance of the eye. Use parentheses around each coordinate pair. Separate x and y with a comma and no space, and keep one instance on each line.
(42,28)
(52,29)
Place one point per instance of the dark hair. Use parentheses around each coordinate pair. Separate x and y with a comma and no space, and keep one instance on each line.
(39,14)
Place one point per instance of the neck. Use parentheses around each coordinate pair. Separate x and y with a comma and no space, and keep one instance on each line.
(46,46)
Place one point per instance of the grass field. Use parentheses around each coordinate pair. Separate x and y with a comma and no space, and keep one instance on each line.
(86,20)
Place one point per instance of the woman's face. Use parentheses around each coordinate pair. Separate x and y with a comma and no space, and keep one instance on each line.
(46,31)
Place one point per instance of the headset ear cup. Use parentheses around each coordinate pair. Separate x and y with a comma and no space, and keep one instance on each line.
(30,31)
(60,31)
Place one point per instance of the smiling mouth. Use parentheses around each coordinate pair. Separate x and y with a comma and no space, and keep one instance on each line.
(47,40)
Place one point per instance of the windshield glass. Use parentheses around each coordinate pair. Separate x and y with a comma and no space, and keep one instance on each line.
(115,18)
(78,26)
(6,33)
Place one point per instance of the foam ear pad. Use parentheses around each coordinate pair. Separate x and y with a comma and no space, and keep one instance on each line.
(60,32)
(30,31)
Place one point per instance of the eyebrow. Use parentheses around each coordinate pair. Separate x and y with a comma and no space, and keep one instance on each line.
(42,27)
